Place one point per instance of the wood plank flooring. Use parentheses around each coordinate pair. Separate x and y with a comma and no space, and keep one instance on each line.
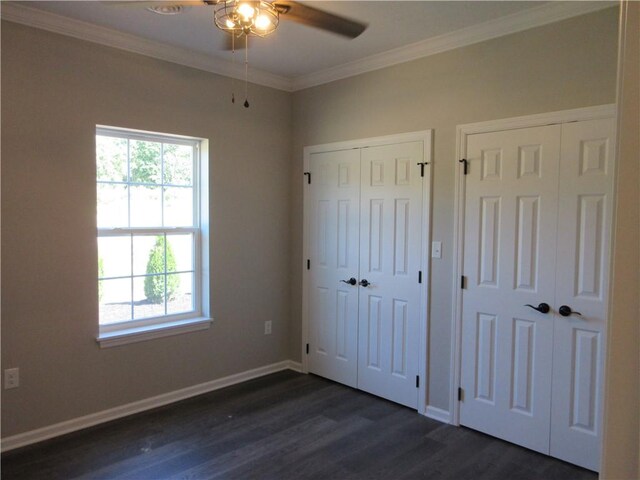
(282,426)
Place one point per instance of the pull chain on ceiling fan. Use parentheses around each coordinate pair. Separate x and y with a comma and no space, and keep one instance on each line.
(244,18)
(246,70)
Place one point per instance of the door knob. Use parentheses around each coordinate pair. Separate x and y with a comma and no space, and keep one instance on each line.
(565,311)
(364,282)
(542,308)
(351,281)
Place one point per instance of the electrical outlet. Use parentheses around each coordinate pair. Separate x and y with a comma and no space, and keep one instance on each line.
(436,250)
(11,378)
(267,327)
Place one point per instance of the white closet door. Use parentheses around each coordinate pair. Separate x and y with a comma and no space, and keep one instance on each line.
(509,262)
(334,248)
(390,260)
(584,226)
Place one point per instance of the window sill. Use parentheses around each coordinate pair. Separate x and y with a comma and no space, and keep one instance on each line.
(141,334)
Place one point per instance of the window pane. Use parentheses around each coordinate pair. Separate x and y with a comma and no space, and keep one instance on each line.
(112,205)
(148,254)
(148,296)
(182,298)
(145,162)
(145,187)
(181,247)
(114,256)
(115,300)
(178,207)
(178,164)
(111,158)
(146,206)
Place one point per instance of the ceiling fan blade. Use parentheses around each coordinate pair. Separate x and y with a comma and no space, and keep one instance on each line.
(300,13)
(151,3)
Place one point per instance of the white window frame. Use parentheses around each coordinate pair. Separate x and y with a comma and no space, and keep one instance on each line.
(131,331)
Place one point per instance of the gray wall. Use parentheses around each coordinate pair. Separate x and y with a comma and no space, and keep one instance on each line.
(560,66)
(55,90)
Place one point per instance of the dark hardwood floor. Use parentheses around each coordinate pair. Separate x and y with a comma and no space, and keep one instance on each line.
(282,426)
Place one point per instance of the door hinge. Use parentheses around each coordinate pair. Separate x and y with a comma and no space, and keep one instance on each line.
(308,264)
(460,394)
(417,381)
(422,164)
(465,163)
(307,349)
(463,282)
(308,174)
(420,276)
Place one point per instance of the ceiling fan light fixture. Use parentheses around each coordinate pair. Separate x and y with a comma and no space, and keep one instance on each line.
(243,17)
(246,11)
(263,22)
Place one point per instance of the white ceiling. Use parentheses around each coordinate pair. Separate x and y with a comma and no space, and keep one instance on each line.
(300,54)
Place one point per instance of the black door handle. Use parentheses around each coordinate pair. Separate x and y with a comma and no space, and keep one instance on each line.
(565,311)
(364,282)
(351,281)
(542,308)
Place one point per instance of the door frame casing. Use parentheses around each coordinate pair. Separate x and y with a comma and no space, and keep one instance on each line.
(426,137)
(462,132)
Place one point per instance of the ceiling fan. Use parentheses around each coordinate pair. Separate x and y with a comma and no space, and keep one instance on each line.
(245,18)
(259,17)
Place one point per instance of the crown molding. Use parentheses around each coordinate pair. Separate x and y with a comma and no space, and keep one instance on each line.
(33,17)
(535,17)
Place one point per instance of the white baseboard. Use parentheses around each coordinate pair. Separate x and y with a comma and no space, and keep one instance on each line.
(438,414)
(34,436)
(295,366)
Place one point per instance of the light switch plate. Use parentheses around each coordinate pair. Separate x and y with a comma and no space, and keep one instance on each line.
(436,249)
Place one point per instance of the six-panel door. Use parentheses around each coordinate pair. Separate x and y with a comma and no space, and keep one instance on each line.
(390,259)
(582,284)
(334,249)
(509,262)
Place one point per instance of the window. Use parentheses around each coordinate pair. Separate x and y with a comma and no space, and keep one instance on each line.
(150,259)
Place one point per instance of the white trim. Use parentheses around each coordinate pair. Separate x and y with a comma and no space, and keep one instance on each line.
(462,131)
(438,414)
(426,137)
(548,13)
(40,434)
(625,33)
(146,135)
(205,236)
(52,22)
(563,116)
(295,366)
(425,294)
(306,207)
(535,17)
(458,246)
(148,332)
